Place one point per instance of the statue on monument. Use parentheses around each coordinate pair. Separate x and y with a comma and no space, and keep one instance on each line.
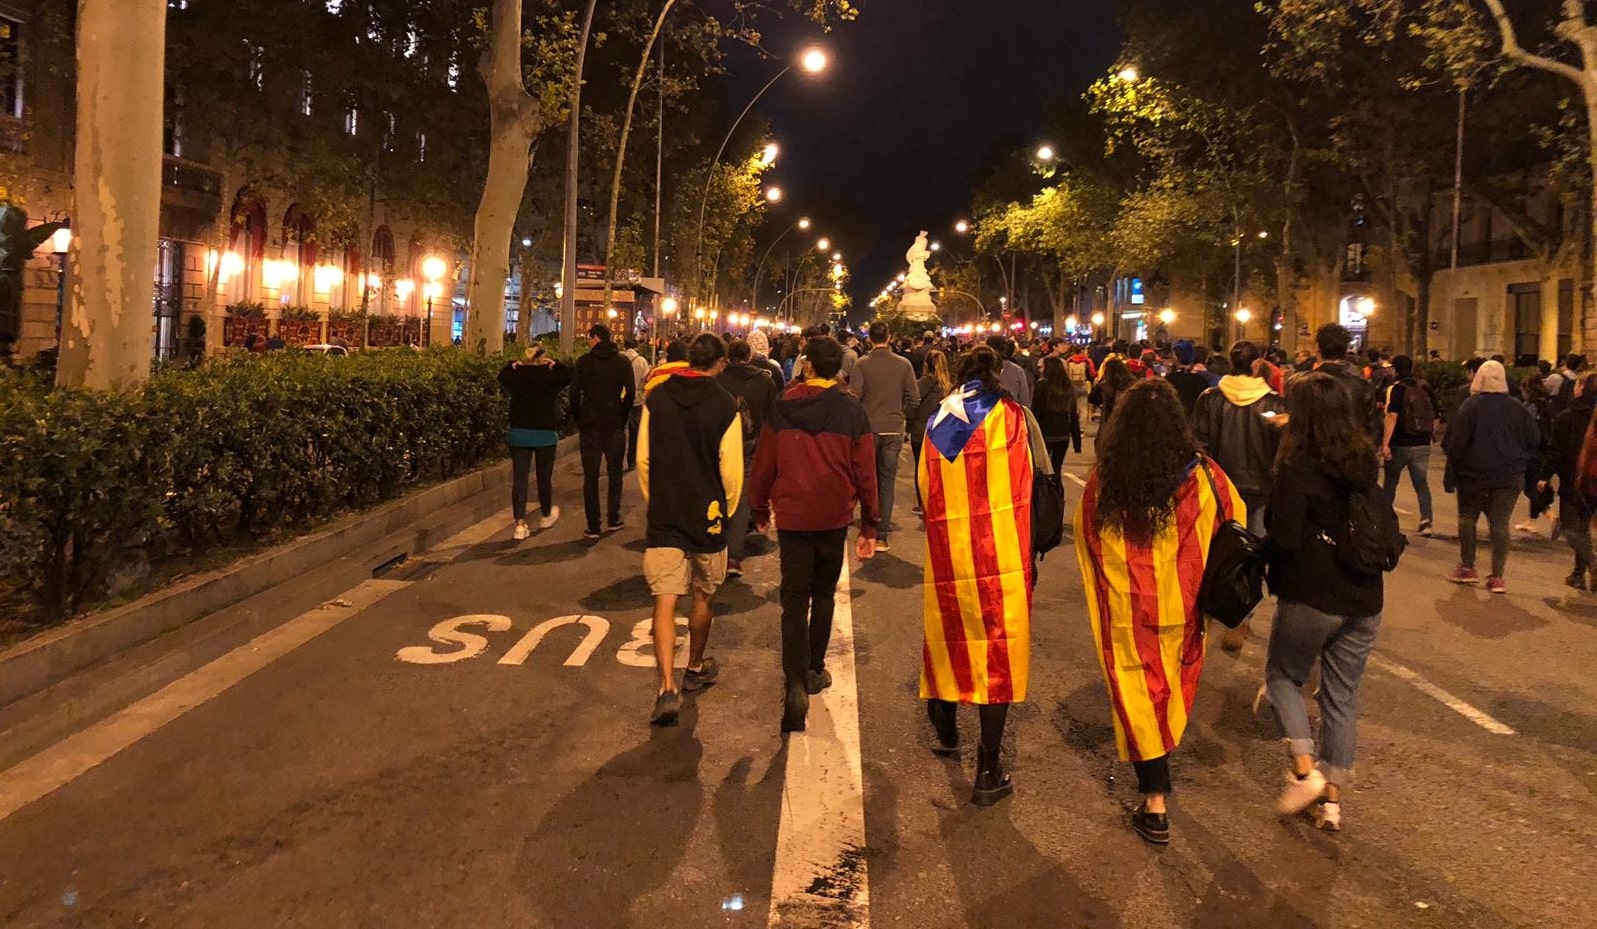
(917,299)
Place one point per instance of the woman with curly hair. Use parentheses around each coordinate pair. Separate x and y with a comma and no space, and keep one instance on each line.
(1148,514)
(1113,382)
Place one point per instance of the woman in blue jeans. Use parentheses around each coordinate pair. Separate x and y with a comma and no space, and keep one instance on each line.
(1326,612)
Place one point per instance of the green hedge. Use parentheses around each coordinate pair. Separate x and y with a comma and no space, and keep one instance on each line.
(243,447)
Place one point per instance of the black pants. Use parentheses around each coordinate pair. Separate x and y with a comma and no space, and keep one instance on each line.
(1056,454)
(634,423)
(811,564)
(1153,775)
(611,446)
(521,460)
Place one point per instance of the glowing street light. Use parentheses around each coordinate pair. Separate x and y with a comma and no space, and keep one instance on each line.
(669,306)
(1365,306)
(1167,316)
(962,227)
(814,60)
(1072,322)
(773,194)
(804,224)
(1129,74)
(1244,316)
(1097,319)
(837,256)
(433,268)
(937,246)
(769,154)
(1046,153)
(823,245)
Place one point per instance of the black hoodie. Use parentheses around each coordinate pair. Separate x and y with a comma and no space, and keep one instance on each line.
(1306,501)
(534,391)
(604,389)
(690,462)
(753,390)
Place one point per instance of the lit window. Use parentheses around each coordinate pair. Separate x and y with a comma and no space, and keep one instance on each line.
(307,90)
(10,67)
(352,121)
(412,43)
(421,146)
(257,70)
(335,6)
(453,77)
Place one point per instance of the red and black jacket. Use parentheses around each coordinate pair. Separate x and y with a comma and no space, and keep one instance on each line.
(815,462)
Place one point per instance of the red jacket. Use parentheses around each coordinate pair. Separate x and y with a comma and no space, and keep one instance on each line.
(815,462)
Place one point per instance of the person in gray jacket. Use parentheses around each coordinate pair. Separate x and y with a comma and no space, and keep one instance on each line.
(885,384)
(1489,444)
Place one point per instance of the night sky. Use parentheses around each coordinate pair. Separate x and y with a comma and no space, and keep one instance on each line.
(890,140)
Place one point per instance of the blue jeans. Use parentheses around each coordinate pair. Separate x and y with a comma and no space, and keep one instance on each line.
(1417,461)
(1342,644)
(1255,507)
(889,448)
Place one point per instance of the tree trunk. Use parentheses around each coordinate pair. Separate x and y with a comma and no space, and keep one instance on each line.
(105,339)
(514,120)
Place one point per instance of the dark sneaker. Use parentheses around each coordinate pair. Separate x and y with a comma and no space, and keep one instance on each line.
(1153,827)
(795,707)
(616,525)
(666,708)
(1463,575)
(817,681)
(1496,585)
(945,723)
(693,681)
(734,569)
(592,534)
(1576,580)
(1425,528)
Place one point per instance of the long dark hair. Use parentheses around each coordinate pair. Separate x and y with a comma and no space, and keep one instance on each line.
(981,364)
(1322,431)
(1055,388)
(1144,462)
(1116,377)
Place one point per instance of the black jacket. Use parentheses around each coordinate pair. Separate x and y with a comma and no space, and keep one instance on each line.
(1060,420)
(1564,441)
(603,390)
(1365,398)
(931,397)
(691,463)
(753,388)
(534,393)
(1490,443)
(1305,502)
(1229,424)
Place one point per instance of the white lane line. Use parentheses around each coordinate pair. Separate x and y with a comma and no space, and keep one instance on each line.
(1074,479)
(1479,718)
(78,754)
(1402,512)
(820,875)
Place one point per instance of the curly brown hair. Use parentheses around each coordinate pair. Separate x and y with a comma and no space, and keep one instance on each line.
(1143,461)
(1322,430)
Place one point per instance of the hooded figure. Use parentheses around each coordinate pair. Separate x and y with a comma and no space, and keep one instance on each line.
(1489,445)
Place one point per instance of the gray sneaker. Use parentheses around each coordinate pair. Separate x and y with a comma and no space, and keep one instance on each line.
(694,681)
(666,708)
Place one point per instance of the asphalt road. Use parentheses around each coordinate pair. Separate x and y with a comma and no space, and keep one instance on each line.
(352,771)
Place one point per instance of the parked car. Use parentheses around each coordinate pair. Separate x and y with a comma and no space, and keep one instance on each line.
(336,351)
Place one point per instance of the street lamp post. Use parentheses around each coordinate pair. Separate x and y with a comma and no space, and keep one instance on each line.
(433,268)
(568,271)
(803,224)
(813,61)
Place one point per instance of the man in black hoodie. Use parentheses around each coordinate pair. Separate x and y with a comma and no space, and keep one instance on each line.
(1563,462)
(602,392)
(691,449)
(1333,341)
(754,393)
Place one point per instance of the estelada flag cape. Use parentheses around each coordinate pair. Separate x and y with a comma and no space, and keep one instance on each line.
(976,481)
(1143,603)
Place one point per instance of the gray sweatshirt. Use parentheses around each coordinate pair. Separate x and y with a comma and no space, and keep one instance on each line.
(885,385)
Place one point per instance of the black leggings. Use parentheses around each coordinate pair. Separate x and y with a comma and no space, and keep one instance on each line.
(521,460)
(1153,775)
(1056,455)
(993,717)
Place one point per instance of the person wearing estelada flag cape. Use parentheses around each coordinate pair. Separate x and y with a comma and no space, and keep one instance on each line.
(976,472)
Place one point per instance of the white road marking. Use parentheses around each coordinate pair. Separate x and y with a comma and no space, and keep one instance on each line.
(1402,512)
(820,877)
(1479,718)
(78,754)
(1074,479)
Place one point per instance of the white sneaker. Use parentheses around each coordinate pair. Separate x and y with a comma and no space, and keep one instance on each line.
(1328,817)
(522,532)
(882,546)
(1300,792)
(549,521)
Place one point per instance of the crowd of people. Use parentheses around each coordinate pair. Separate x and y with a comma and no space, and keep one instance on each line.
(805,437)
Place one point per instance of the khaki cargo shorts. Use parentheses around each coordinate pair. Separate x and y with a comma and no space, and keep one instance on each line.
(674,572)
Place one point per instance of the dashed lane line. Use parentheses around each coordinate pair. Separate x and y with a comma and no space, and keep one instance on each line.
(1478,717)
(820,878)
(78,754)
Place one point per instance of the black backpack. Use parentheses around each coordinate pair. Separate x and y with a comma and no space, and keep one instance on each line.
(1047,514)
(1233,578)
(1370,544)
(1418,414)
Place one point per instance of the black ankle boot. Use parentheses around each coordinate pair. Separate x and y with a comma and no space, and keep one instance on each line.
(795,707)
(992,784)
(943,720)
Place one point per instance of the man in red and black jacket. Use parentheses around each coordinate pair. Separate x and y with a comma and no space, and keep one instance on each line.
(815,462)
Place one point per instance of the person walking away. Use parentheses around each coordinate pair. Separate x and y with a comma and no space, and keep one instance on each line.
(1188,382)
(1333,342)
(1238,425)
(640,377)
(933,386)
(815,466)
(1057,413)
(976,474)
(1565,440)
(1489,445)
(1410,429)
(885,384)
(690,468)
(1533,393)
(1327,612)
(1115,380)
(601,401)
(754,393)
(1083,374)
(1147,516)
(760,347)
(533,385)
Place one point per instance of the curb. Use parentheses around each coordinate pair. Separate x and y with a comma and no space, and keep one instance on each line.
(53,656)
